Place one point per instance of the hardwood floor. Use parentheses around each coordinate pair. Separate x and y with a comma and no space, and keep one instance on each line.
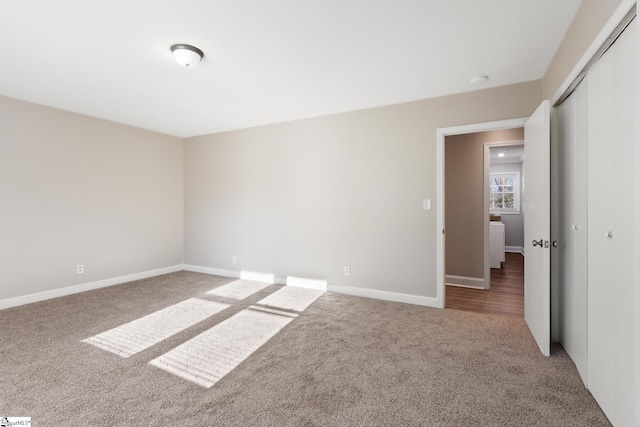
(505,298)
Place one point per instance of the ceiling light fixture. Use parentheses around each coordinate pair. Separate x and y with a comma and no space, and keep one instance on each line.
(186,55)
(479,79)
(501,154)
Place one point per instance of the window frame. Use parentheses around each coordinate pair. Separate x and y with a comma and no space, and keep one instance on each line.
(516,193)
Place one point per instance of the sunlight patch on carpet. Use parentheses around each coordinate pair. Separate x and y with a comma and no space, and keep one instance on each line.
(274,311)
(140,334)
(239,289)
(257,276)
(303,282)
(291,298)
(208,357)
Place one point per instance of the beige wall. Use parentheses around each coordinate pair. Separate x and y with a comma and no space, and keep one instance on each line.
(78,190)
(301,198)
(306,198)
(587,24)
(464,199)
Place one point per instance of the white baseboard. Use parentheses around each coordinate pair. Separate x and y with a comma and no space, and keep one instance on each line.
(464,281)
(319,284)
(290,281)
(385,295)
(83,287)
(514,249)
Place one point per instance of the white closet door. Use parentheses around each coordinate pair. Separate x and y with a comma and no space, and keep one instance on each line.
(611,250)
(572,151)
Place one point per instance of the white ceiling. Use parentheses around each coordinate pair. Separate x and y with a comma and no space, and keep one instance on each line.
(511,154)
(266,61)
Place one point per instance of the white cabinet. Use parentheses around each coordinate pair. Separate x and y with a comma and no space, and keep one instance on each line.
(496,243)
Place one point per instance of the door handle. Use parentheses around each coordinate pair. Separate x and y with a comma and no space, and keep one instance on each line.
(537,243)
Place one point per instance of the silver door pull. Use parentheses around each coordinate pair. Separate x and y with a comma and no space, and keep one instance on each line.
(609,234)
(554,243)
(537,243)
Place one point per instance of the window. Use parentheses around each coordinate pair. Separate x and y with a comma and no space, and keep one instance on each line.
(504,193)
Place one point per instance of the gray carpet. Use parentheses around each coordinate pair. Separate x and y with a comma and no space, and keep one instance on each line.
(343,361)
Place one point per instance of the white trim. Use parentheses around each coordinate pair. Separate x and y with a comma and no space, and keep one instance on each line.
(301,282)
(487,146)
(555,229)
(440,240)
(637,233)
(465,282)
(441,133)
(83,287)
(486,215)
(385,295)
(514,249)
(513,143)
(257,277)
(487,174)
(606,31)
(482,127)
(346,290)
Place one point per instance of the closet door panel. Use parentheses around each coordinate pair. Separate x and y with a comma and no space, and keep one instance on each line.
(578,230)
(600,256)
(572,133)
(623,223)
(611,230)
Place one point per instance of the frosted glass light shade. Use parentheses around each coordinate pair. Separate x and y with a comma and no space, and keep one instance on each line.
(186,55)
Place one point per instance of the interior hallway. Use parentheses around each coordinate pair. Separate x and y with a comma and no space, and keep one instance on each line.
(505,298)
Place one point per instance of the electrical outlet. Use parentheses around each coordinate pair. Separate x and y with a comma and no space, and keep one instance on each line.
(80,269)
(347,270)
(234,259)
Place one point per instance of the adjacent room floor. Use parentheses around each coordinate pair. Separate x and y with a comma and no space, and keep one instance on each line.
(129,354)
(504,298)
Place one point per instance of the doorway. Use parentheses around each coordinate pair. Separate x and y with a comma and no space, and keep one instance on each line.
(483,213)
(537,230)
(482,274)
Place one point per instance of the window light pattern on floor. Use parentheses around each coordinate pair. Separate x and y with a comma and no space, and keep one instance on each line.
(291,298)
(140,334)
(208,357)
(238,289)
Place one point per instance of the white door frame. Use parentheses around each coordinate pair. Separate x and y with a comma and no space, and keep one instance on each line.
(637,238)
(441,133)
(487,212)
